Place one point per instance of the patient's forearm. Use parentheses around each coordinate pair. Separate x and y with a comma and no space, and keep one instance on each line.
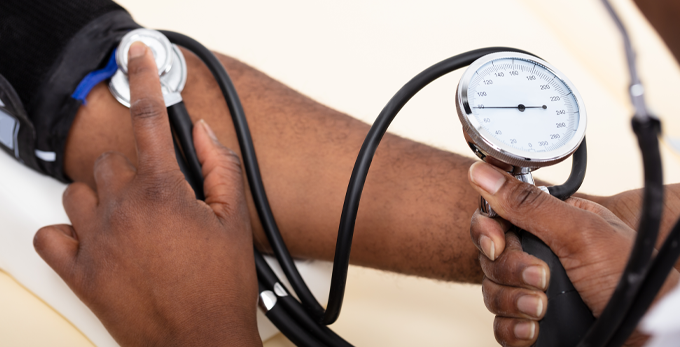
(415,210)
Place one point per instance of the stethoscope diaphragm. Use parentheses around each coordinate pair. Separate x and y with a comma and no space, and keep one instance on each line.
(172,67)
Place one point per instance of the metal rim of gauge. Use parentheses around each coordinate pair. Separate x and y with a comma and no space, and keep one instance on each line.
(172,82)
(489,145)
(156,41)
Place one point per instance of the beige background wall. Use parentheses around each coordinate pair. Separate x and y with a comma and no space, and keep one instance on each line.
(353,55)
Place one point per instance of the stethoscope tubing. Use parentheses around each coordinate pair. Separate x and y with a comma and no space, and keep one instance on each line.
(301,322)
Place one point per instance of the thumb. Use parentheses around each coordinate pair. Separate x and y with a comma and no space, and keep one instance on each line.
(223,182)
(526,206)
(58,246)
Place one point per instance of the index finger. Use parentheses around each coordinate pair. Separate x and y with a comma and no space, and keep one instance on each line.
(150,124)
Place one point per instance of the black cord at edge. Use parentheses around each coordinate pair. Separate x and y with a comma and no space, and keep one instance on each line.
(652,206)
(661,266)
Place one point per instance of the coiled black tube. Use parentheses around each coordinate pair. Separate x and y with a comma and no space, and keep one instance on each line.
(268,278)
(350,207)
(252,169)
(181,124)
(652,206)
(288,326)
(579,162)
(656,276)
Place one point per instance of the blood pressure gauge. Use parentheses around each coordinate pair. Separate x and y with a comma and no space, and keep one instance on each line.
(519,113)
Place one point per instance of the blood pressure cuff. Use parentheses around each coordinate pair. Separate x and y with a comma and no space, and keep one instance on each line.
(46,48)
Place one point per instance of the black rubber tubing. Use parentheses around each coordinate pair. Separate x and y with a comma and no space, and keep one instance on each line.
(278,317)
(579,161)
(360,172)
(268,278)
(252,170)
(652,207)
(288,326)
(662,265)
(181,124)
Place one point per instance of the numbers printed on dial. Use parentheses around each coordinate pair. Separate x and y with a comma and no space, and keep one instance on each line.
(523,104)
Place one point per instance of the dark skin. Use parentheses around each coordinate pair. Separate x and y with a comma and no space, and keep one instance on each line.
(143,252)
(594,258)
(514,282)
(306,153)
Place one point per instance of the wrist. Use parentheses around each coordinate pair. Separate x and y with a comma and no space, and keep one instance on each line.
(235,330)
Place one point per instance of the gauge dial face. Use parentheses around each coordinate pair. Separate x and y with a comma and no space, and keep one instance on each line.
(520,106)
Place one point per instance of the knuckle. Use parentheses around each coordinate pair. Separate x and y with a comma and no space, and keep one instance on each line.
(501,267)
(524,196)
(119,215)
(475,228)
(161,188)
(230,158)
(106,160)
(501,331)
(39,238)
(71,191)
(139,67)
(148,107)
(492,296)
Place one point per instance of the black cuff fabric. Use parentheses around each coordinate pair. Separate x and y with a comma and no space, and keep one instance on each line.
(34,33)
(46,48)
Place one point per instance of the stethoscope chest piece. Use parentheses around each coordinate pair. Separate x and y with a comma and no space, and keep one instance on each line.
(170,62)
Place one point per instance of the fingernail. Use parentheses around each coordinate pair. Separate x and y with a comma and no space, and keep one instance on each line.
(137,49)
(208,130)
(531,305)
(535,276)
(488,247)
(525,330)
(486,177)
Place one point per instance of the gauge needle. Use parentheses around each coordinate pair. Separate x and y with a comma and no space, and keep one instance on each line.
(520,107)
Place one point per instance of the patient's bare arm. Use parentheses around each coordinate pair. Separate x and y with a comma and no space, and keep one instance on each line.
(416,204)
(416,207)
